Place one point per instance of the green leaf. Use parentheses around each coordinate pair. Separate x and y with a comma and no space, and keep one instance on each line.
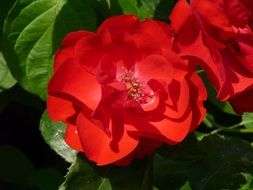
(6,79)
(247,119)
(53,133)
(249,184)
(46,179)
(85,175)
(222,166)
(32,33)
(186,186)
(5,6)
(158,9)
(15,166)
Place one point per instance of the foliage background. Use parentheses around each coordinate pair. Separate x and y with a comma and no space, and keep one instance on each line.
(218,156)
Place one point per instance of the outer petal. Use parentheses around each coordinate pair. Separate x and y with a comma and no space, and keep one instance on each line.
(166,129)
(243,101)
(72,79)
(68,44)
(183,26)
(215,16)
(155,32)
(59,109)
(72,137)
(117,24)
(174,130)
(236,12)
(99,147)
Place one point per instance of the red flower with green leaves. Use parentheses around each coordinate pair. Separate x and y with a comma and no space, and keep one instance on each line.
(122,92)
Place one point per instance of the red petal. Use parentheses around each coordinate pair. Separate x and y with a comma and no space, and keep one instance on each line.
(215,16)
(68,43)
(198,95)
(237,13)
(155,32)
(117,24)
(183,25)
(166,130)
(178,99)
(72,137)
(178,20)
(154,67)
(89,50)
(243,102)
(174,131)
(99,147)
(59,109)
(72,79)
(72,38)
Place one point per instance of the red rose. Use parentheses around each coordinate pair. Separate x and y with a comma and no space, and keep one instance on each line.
(218,34)
(122,92)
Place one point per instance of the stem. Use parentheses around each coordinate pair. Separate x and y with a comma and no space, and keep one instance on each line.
(231,128)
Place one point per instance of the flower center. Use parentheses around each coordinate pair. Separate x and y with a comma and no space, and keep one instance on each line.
(137,90)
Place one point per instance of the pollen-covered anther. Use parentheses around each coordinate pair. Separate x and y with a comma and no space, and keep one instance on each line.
(136,89)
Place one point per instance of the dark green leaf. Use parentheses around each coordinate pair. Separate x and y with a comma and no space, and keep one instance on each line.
(186,186)
(5,6)
(222,166)
(53,133)
(85,175)
(6,79)
(158,9)
(32,33)
(46,179)
(103,11)
(15,166)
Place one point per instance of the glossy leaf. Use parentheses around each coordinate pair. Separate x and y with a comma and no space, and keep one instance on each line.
(6,79)
(85,175)
(33,31)
(222,166)
(53,133)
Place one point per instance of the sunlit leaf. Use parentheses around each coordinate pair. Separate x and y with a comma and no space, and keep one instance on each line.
(53,133)
(33,31)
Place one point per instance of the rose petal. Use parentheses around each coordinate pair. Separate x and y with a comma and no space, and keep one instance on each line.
(117,24)
(68,43)
(166,129)
(236,12)
(243,102)
(59,109)
(72,137)
(215,16)
(178,99)
(154,67)
(99,147)
(74,80)
(155,32)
